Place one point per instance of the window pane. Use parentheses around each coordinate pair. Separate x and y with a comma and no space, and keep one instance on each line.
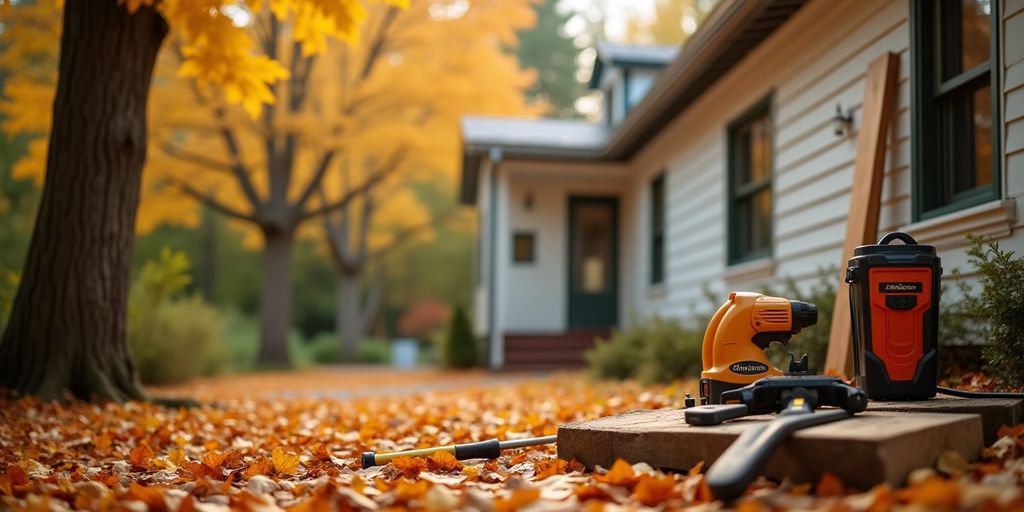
(754,222)
(964,35)
(592,261)
(760,150)
(974,23)
(522,248)
(982,136)
(761,220)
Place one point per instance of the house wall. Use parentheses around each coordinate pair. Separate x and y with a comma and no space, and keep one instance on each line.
(815,60)
(1013,99)
(535,295)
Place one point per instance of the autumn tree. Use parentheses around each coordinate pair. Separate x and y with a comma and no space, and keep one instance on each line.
(672,23)
(66,331)
(440,61)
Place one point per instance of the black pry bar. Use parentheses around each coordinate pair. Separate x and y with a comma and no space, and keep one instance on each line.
(730,475)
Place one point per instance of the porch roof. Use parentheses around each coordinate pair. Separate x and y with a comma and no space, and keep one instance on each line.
(731,31)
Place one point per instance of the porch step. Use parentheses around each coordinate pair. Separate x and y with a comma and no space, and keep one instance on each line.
(550,351)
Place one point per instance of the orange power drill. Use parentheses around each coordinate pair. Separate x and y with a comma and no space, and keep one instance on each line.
(740,331)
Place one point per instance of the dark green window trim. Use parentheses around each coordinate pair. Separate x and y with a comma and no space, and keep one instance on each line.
(737,251)
(657,235)
(932,191)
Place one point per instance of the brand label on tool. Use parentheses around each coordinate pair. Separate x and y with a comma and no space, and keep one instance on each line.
(749,367)
(900,287)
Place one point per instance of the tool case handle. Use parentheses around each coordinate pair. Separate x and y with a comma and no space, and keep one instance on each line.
(897,235)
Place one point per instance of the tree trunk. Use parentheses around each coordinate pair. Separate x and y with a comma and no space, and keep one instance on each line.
(350,314)
(67,325)
(276,299)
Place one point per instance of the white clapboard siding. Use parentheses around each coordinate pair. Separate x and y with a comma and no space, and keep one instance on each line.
(817,59)
(1013,106)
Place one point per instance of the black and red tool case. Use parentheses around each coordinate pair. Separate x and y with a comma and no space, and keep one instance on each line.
(894,303)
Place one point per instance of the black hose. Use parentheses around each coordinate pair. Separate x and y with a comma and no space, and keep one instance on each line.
(979,394)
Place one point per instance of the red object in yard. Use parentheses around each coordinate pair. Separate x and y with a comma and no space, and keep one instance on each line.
(424,318)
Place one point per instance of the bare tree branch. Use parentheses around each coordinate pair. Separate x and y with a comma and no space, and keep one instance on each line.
(211,201)
(409,233)
(316,180)
(194,158)
(386,170)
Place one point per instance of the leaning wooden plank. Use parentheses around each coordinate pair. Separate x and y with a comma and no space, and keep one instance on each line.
(868,449)
(865,195)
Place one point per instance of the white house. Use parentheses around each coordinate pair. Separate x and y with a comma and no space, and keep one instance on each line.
(718,165)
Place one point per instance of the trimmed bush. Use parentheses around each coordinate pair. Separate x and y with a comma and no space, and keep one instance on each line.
(656,349)
(1000,309)
(325,348)
(459,349)
(173,338)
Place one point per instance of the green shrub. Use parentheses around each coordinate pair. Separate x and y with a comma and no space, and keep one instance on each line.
(325,348)
(177,340)
(173,338)
(242,339)
(1000,308)
(460,346)
(656,349)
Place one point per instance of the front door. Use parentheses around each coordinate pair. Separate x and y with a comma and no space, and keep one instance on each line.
(593,262)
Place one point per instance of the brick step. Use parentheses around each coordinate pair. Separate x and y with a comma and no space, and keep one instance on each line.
(548,344)
(544,357)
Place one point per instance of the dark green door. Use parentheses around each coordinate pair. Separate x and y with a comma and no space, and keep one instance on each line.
(593,262)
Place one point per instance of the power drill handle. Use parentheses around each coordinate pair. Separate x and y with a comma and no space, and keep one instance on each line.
(730,475)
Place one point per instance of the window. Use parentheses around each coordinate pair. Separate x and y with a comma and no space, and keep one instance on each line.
(658,229)
(750,185)
(955,137)
(522,247)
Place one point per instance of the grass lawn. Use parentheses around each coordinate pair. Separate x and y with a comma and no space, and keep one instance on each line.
(300,450)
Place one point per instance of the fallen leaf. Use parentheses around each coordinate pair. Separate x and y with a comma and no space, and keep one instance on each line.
(141,456)
(829,485)
(621,473)
(284,463)
(409,466)
(443,461)
(519,499)
(952,463)
(260,466)
(933,492)
(549,468)
(654,490)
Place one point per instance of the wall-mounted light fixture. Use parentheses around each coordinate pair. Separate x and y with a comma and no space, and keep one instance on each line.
(842,124)
(528,201)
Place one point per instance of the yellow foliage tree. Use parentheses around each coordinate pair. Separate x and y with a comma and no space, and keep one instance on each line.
(672,23)
(67,327)
(354,124)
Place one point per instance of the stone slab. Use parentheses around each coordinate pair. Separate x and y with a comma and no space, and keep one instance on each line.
(870,448)
(994,412)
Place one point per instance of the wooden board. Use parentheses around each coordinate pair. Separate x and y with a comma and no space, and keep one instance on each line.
(994,412)
(868,449)
(865,195)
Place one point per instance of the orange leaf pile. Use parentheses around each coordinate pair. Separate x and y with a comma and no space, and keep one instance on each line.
(298,454)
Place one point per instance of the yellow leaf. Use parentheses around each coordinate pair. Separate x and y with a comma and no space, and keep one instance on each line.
(284,462)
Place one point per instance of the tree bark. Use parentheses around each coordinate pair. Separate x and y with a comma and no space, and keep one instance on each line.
(350,314)
(276,298)
(67,327)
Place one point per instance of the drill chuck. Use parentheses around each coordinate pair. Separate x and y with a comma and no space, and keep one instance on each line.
(804,315)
